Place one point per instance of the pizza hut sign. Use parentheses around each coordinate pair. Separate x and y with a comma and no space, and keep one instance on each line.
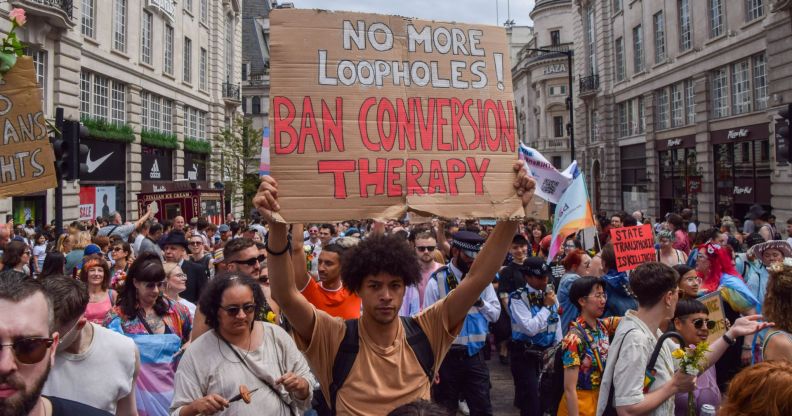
(738,134)
(742,190)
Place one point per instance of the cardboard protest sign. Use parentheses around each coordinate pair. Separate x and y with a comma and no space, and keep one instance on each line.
(27,162)
(633,246)
(374,115)
(714,305)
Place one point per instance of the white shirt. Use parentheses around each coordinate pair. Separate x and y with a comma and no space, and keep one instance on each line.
(628,356)
(692,227)
(528,323)
(411,304)
(490,308)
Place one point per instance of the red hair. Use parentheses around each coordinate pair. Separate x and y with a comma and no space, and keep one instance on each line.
(761,390)
(573,259)
(720,263)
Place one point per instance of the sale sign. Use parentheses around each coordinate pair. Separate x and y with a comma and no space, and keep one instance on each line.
(374,115)
(633,246)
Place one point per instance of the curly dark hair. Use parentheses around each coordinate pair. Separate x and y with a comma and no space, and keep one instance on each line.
(379,254)
(212,295)
(146,268)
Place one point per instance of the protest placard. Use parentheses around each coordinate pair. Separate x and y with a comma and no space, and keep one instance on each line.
(374,115)
(26,157)
(633,246)
(714,305)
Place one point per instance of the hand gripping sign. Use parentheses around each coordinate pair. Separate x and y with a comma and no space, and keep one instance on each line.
(372,116)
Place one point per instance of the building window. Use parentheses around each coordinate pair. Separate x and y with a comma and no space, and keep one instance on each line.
(621,114)
(144,110)
(87,20)
(167,116)
(555,37)
(760,81)
(754,9)
(204,11)
(659,37)
(558,126)
(720,95)
(617,6)
(690,99)
(146,30)
(118,103)
(638,53)
(619,59)
(593,126)
(202,70)
(167,58)
(244,106)
(100,97)
(641,119)
(741,87)
(716,18)
(119,26)
(685,33)
(40,65)
(256,104)
(229,48)
(661,109)
(677,106)
(591,41)
(245,70)
(156,112)
(85,94)
(557,90)
(188,6)
(187,60)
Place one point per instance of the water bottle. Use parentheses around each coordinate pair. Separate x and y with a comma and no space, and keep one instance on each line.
(707,410)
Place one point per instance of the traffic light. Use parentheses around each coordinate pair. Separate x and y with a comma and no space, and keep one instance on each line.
(783,135)
(69,153)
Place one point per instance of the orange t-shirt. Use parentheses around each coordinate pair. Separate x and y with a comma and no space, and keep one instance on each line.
(339,302)
(381,379)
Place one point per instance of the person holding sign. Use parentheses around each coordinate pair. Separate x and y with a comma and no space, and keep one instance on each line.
(387,373)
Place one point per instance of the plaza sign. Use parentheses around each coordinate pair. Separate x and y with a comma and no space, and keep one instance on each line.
(166,7)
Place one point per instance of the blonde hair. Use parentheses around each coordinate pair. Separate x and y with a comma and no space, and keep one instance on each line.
(777,305)
(169,267)
(82,240)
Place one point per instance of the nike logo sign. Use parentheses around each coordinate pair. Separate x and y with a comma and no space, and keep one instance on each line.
(94,164)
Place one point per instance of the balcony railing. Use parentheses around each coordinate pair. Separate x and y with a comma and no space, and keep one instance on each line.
(231,92)
(257,79)
(589,84)
(58,13)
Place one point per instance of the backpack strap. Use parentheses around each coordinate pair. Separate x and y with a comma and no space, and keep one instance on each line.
(344,360)
(420,345)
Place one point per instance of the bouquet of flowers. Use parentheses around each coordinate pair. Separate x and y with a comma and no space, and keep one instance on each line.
(692,361)
(11,47)
(309,255)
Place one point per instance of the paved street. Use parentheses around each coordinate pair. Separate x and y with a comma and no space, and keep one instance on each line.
(502,392)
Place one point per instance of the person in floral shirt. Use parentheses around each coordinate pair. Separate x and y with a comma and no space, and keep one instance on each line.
(585,347)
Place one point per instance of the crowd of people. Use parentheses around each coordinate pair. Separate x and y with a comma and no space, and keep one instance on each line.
(390,318)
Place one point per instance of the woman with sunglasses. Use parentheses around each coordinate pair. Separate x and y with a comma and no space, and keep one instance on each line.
(691,320)
(120,254)
(175,283)
(95,273)
(240,351)
(159,326)
(16,257)
(585,347)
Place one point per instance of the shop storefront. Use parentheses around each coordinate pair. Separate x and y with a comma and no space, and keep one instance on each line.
(195,165)
(103,184)
(680,179)
(30,207)
(156,169)
(742,169)
(634,190)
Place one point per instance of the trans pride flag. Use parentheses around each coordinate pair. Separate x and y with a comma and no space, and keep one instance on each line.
(572,213)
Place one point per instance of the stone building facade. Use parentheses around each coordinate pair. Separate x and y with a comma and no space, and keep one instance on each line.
(677,102)
(155,80)
(542,85)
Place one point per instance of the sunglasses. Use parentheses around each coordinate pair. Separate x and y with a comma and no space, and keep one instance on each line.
(425,248)
(152,285)
(29,350)
(196,243)
(118,249)
(263,279)
(252,261)
(698,323)
(233,310)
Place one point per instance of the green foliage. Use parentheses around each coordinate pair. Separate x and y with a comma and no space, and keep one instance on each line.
(197,146)
(238,147)
(158,139)
(101,129)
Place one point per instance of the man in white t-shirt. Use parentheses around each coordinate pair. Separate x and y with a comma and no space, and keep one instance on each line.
(93,365)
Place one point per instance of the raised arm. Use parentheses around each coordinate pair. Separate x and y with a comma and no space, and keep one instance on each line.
(282,283)
(491,257)
(146,216)
(299,264)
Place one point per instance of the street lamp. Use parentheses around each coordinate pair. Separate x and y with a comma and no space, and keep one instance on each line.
(570,128)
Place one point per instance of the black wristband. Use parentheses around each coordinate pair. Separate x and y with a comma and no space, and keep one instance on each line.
(729,340)
(278,253)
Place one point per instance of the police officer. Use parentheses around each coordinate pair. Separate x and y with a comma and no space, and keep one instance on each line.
(535,330)
(463,374)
